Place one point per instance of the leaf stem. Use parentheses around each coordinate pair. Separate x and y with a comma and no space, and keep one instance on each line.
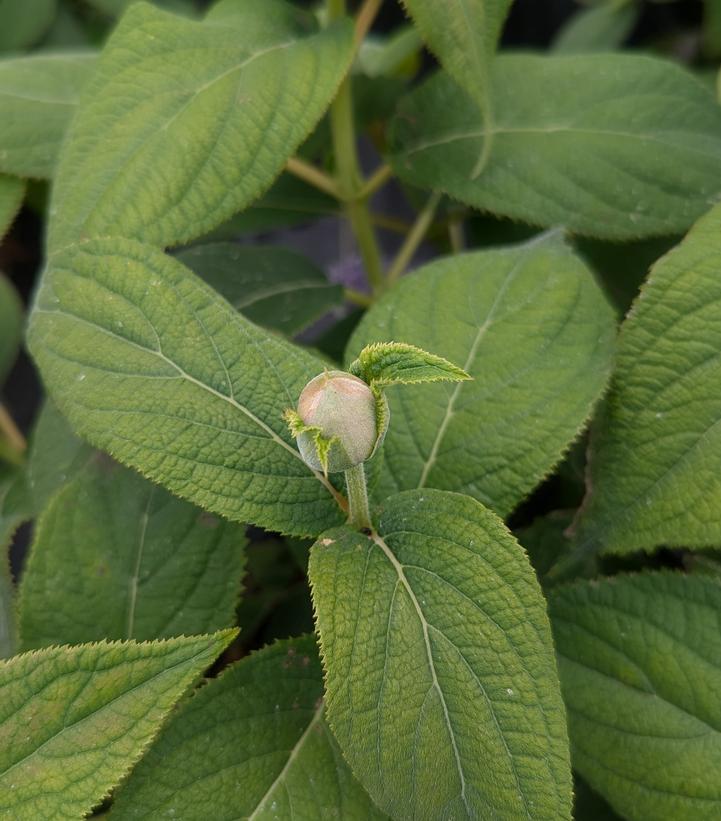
(313,176)
(456,235)
(376,180)
(364,20)
(14,439)
(350,181)
(358,297)
(359,515)
(414,239)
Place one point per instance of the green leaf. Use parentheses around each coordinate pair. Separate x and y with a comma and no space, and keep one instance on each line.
(56,456)
(640,665)
(463,34)
(600,28)
(116,557)
(397,363)
(22,24)
(251,744)
(440,675)
(656,446)
(12,191)
(73,720)
(625,146)
(11,323)
(287,203)
(38,97)
(545,540)
(8,628)
(150,364)
(531,327)
(185,123)
(272,286)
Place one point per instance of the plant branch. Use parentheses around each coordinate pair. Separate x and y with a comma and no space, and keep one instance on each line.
(414,239)
(15,441)
(358,297)
(313,176)
(364,20)
(376,180)
(348,172)
(359,515)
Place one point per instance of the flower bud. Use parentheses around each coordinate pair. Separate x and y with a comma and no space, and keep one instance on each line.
(342,408)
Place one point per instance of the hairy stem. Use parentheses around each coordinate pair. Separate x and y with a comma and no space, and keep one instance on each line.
(359,515)
(350,181)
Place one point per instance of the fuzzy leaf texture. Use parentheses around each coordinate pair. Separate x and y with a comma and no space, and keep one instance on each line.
(12,191)
(463,34)
(185,123)
(38,97)
(253,744)
(532,328)
(117,557)
(440,673)
(73,720)
(273,287)
(397,363)
(656,446)
(640,665)
(152,365)
(613,146)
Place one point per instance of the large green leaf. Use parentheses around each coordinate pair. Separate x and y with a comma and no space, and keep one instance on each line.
(440,675)
(12,191)
(184,123)
(23,23)
(610,145)
(531,327)
(640,665)
(252,744)
(11,323)
(73,720)
(463,34)
(272,286)
(38,96)
(151,364)
(8,627)
(116,557)
(656,447)
(56,456)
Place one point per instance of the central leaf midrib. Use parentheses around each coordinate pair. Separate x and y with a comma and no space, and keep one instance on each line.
(183,374)
(398,567)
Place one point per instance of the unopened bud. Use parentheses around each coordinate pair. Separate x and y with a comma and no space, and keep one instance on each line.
(342,408)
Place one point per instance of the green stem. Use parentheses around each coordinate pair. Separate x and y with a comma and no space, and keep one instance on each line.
(313,176)
(414,239)
(350,180)
(359,515)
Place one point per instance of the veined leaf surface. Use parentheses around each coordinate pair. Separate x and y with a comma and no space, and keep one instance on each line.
(149,363)
(38,97)
(440,674)
(73,720)
(184,123)
(116,557)
(656,446)
(532,328)
(640,666)
(463,34)
(252,744)
(273,286)
(610,145)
